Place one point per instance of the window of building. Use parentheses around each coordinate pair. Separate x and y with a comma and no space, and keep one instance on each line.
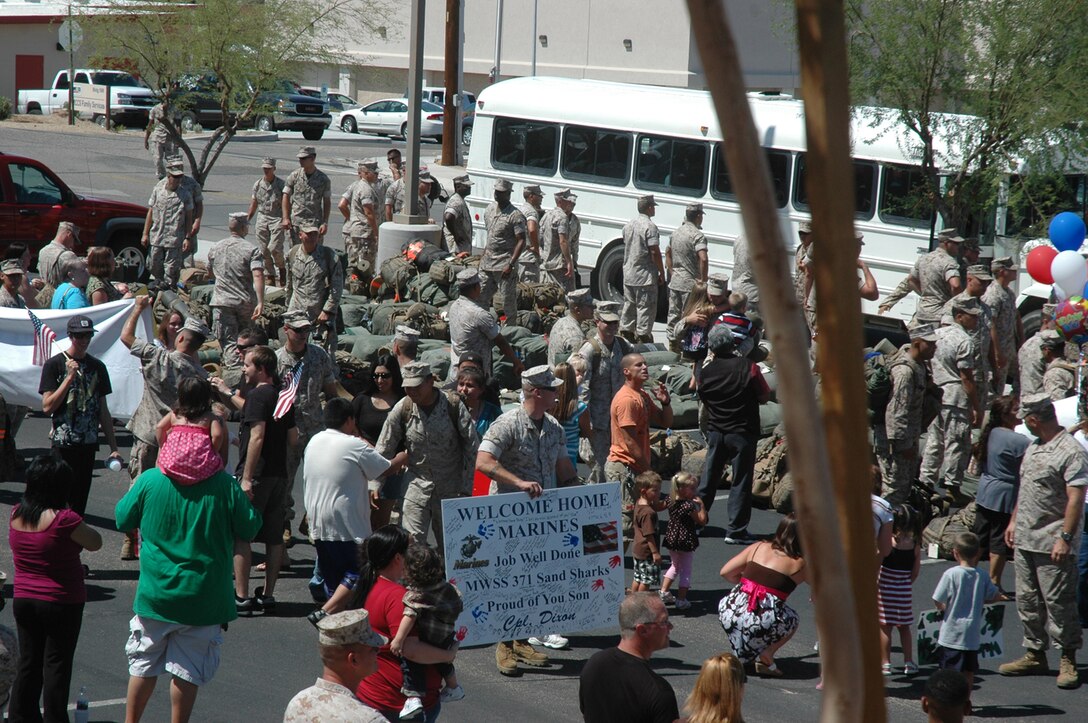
(777,161)
(672,165)
(596,155)
(865,175)
(523,145)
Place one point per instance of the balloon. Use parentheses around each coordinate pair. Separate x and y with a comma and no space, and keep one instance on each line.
(1069,272)
(1071,317)
(1038,263)
(1067,231)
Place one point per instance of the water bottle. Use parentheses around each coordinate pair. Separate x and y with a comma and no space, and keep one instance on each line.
(114,464)
(83,706)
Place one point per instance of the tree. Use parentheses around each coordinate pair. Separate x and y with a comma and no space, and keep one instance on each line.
(980,85)
(242,47)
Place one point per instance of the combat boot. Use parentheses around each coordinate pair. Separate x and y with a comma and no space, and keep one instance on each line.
(529,655)
(505,659)
(1033,663)
(1068,677)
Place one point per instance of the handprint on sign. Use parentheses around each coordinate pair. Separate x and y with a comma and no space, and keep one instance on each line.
(614,561)
(598,584)
(485,530)
(453,581)
(570,540)
(461,633)
(479,614)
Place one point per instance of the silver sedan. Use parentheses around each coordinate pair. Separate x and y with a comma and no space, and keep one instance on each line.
(389,117)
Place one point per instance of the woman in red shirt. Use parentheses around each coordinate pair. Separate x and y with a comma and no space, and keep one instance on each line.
(46,539)
(379,592)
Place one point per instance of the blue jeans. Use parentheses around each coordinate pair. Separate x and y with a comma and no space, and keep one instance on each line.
(1082,583)
(740,450)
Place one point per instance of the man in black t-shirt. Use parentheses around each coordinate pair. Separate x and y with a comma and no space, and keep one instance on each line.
(617,685)
(262,472)
(74,386)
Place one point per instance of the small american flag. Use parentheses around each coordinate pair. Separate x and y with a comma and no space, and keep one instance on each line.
(287,395)
(43,340)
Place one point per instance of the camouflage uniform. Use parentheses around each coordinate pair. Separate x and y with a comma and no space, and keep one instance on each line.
(640,276)
(325,701)
(504,227)
(7,301)
(362,240)
(565,339)
(462,241)
(270,233)
(433,444)
(1060,380)
(554,267)
(743,279)
(948,443)
(981,336)
(933,272)
(523,449)
(472,328)
(900,292)
(1032,366)
(190,186)
(318,371)
(162,145)
(53,262)
(602,380)
(307,194)
(9,661)
(684,246)
(1001,302)
(162,370)
(897,434)
(528,262)
(1046,591)
(232,262)
(315,283)
(168,231)
(398,199)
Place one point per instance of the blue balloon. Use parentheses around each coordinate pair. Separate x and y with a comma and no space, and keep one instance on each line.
(1067,231)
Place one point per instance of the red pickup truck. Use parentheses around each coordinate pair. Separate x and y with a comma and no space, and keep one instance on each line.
(33,200)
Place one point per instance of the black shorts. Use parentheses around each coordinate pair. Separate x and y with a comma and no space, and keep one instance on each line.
(269,498)
(965,661)
(990,527)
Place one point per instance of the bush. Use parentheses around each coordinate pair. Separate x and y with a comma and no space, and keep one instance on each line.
(5,108)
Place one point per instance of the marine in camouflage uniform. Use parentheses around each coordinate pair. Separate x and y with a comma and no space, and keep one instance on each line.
(900,292)
(433,443)
(686,259)
(237,266)
(267,204)
(315,283)
(743,278)
(361,229)
(1030,355)
(936,278)
(506,234)
(1060,378)
(472,327)
(1047,523)
(169,218)
(559,232)
(307,197)
(196,192)
(567,335)
(1001,300)
(56,256)
(529,261)
(643,272)
(161,143)
(978,280)
(948,442)
(456,219)
(396,199)
(603,378)
(896,434)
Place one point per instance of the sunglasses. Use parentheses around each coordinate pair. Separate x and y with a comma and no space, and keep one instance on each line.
(381,375)
(81,335)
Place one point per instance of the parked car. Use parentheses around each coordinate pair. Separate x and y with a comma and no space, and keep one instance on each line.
(389,117)
(283,108)
(197,102)
(33,200)
(338,102)
(130,99)
(437,95)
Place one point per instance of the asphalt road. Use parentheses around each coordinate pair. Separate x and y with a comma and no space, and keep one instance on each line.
(266,660)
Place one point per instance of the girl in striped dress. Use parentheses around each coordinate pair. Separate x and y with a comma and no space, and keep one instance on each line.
(898,572)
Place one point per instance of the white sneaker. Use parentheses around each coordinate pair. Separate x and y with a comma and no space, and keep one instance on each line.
(413,709)
(449,695)
(666,597)
(556,642)
(683,604)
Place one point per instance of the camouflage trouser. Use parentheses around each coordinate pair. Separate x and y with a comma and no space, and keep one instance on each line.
(360,248)
(619,472)
(639,309)
(948,448)
(164,264)
(982,387)
(421,513)
(1008,373)
(599,441)
(558,277)
(271,236)
(529,272)
(325,336)
(143,457)
(1046,600)
(160,151)
(897,471)
(493,282)
(227,321)
(677,299)
(295,455)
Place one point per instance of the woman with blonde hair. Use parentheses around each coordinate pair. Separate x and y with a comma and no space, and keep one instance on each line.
(569,410)
(690,331)
(719,691)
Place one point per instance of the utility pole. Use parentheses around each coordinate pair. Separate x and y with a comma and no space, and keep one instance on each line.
(532,41)
(451,135)
(415,97)
(71,72)
(496,70)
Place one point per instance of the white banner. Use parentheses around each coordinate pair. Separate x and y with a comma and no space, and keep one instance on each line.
(19,378)
(89,97)
(534,567)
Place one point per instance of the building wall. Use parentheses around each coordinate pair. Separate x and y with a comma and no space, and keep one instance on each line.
(39,38)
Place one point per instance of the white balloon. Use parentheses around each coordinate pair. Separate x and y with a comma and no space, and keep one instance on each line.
(1070,272)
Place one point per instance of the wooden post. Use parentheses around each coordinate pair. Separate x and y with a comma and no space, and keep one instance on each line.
(814,495)
(450,137)
(825,84)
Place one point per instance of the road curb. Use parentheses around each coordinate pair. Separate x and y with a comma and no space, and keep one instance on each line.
(240,137)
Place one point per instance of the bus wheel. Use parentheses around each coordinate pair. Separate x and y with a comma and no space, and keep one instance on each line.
(608,276)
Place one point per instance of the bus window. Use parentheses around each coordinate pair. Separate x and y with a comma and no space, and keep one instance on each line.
(671,165)
(864,188)
(595,155)
(526,146)
(777,161)
(904,197)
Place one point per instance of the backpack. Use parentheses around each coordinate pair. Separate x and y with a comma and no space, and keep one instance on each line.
(396,272)
(878,381)
(423,254)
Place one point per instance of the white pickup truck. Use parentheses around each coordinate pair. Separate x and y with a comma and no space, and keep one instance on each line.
(130,98)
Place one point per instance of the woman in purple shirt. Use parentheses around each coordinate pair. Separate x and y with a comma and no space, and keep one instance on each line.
(46,539)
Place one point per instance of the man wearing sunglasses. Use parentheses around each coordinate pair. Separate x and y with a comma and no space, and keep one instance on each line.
(74,386)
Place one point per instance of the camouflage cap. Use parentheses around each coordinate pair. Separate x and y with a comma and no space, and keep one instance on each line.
(541,376)
(415,373)
(239,216)
(970,242)
(306,152)
(859,237)
(980,272)
(1037,403)
(175,169)
(368,164)
(1048,310)
(502,185)
(946,233)
(1051,338)
(966,306)
(405,333)
(297,319)
(566,195)
(1003,263)
(533,189)
(579,297)
(952,239)
(608,311)
(11,267)
(925,332)
(648,198)
(425,176)
(717,284)
(462,180)
(468,277)
(268,163)
(310,228)
(693,208)
(804,227)
(350,627)
(68,226)
(197,326)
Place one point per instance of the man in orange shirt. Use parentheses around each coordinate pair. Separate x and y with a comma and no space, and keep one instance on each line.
(631,413)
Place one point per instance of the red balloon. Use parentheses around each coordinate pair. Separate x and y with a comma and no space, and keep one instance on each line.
(1039,260)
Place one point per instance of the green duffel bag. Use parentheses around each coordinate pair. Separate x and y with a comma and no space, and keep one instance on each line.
(382,321)
(502,371)
(770,416)
(439,359)
(424,288)
(202,294)
(367,346)
(659,358)
(685,412)
(426,345)
(355,314)
(533,351)
(678,379)
(514,333)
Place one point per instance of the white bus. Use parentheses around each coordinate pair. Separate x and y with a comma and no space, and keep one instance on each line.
(612,142)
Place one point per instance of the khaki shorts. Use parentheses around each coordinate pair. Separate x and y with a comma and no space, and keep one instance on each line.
(190,652)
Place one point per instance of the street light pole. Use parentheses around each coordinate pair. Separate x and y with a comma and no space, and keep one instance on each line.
(497,69)
(532,41)
(71,72)
(415,98)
